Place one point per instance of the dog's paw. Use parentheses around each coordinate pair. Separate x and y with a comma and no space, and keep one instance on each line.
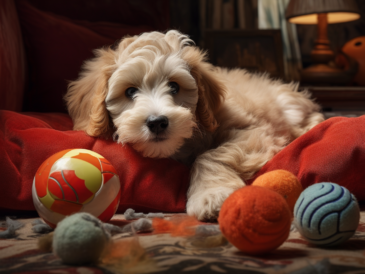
(205,205)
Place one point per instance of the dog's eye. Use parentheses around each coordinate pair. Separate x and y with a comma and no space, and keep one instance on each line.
(130,92)
(174,87)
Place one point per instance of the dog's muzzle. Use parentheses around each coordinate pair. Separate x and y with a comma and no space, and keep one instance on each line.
(157,124)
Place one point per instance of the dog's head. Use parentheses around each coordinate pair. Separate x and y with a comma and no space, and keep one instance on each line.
(152,91)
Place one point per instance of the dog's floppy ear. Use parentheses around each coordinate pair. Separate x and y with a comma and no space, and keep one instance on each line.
(86,96)
(211,90)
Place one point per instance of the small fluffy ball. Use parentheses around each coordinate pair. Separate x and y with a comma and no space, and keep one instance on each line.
(283,182)
(255,219)
(79,239)
(326,214)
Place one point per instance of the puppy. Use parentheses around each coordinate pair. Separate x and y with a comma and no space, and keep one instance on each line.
(158,93)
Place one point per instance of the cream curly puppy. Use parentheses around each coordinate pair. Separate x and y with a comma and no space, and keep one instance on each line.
(158,93)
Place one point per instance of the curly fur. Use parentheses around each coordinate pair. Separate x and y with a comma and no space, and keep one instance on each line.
(225,123)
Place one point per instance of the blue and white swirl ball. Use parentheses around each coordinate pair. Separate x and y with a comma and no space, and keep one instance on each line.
(326,214)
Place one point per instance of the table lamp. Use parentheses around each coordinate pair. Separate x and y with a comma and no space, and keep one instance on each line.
(322,13)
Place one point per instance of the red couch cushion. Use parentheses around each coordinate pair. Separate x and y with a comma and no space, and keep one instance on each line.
(26,141)
(333,151)
(56,48)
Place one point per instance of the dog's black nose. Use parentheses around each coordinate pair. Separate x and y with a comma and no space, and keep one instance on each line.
(157,124)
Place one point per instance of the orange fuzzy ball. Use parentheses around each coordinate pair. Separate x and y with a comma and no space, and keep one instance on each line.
(283,182)
(255,219)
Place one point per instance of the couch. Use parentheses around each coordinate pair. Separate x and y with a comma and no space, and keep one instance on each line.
(44,46)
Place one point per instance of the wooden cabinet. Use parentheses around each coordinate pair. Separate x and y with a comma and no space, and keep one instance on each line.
(339,101)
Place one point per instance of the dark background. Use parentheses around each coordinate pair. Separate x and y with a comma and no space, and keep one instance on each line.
(184,15)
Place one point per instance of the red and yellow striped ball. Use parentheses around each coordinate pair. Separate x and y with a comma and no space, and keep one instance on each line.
(76,180)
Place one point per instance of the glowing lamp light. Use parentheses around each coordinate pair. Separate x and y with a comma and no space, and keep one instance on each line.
(322,13)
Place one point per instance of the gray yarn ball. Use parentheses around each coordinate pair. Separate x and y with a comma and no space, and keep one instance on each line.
(80,239)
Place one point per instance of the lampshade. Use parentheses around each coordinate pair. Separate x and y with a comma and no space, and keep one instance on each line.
(305,11)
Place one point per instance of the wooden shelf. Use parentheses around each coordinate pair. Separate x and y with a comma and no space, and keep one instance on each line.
(339,98)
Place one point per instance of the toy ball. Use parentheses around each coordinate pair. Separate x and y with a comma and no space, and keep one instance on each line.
(75,180)
(255,219)
(326,214)
(80,239)
(283,182)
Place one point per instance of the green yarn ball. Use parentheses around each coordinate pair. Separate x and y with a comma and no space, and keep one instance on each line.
(80,239)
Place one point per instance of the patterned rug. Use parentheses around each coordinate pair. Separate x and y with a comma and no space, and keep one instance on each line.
(168,254)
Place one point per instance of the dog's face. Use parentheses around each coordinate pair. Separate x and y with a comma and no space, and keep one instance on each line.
(154,90)
(152,97)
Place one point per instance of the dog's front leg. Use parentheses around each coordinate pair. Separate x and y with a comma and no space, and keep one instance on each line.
(211,183)
(220,171)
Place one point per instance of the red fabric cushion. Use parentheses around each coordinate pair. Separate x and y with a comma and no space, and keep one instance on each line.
(26,141)
(56,48)
(333,151)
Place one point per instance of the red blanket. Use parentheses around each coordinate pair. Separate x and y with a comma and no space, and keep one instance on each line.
(333,151)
